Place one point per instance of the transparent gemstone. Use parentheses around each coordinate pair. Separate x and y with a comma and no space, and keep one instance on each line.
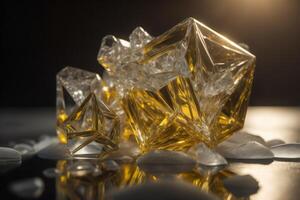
(89,128)
(191,74)
(139,37)
(92,129)
(73,85)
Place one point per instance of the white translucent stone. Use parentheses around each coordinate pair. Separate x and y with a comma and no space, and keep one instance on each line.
(56,151)
(110,165)
(242,137)
(241,186)
(139,37)
(73,85)
(165,157)
(206,156)
(28,188)
(287,151)
(249,150)
(77,82)
(275,142)
(9,156)
(113,52)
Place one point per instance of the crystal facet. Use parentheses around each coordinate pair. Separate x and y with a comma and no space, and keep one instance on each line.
(188,85)
(73,85)
(90,128)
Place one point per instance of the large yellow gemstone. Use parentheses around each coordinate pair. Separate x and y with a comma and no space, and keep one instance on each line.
(188,85)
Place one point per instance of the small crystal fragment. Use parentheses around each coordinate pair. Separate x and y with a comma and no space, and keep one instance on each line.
(73,86)
(139,38)
(241,186)
(28,188)
(205,156)
(90,128)
(9,156)
(287,151)
(275,142)
(249,150)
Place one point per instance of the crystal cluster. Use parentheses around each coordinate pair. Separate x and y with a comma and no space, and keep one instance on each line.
(84,121)
(189,84)
(186,86)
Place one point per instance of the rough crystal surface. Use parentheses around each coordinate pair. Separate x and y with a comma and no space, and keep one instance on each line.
(188,85)
(89,127)
(73,85)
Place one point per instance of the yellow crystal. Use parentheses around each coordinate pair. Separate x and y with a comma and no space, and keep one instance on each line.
(188,85)
(91,123)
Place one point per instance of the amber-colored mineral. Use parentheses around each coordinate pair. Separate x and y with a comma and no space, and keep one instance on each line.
(188,85)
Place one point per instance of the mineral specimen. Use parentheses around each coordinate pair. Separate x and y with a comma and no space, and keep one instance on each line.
(86,124)
(188,85)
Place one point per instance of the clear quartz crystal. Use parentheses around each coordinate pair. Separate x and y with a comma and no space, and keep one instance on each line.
(73,85)
(87,125)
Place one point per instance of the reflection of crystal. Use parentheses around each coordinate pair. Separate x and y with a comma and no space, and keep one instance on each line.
(210,183)
(88,127)
(188,85)
(82,183)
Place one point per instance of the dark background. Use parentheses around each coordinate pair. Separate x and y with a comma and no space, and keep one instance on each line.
(38,38)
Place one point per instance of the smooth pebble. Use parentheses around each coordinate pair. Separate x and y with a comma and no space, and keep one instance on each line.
(206,156)
(241,186)
(287,151)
